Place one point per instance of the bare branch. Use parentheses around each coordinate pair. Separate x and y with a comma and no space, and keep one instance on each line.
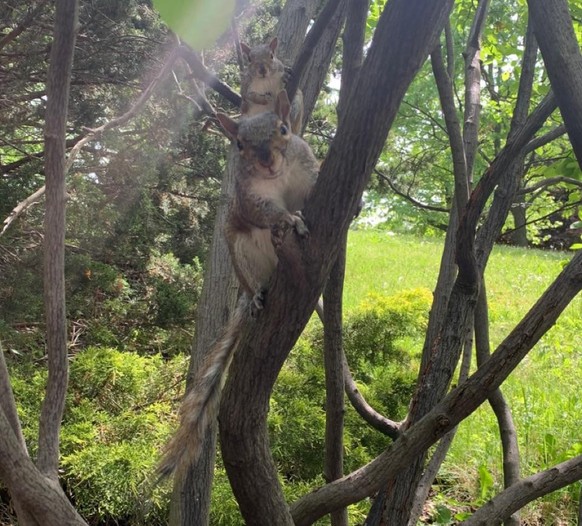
(365,410)
(201,73)
(538,142)
(550,181)
(94,133)
(521,493)
(407,196)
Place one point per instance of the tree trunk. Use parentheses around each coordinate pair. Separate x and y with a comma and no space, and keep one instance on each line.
(58,83)
(191,496)
(334,379)
(39,499)
(561,53)
(393,59)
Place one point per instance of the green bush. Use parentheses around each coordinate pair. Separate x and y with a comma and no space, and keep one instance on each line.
(382,340)
(120,410)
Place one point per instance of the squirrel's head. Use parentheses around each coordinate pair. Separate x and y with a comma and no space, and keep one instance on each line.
(262,139)
(259,59)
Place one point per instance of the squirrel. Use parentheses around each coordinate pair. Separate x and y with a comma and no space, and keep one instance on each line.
(262,79)
(275,174)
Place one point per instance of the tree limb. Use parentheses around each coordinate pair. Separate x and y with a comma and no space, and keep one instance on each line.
(201,73)
(309,44)
(365,410)
(521,493)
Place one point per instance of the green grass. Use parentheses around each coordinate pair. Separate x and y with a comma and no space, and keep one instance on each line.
(544,391)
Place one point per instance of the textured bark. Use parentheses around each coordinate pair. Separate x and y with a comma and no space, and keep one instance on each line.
(292,27)
(526,490)
(507,431)
(315,71)
(473,87)
(394,57)
(38,497)
(561,53)
(333,466)
(58,82)
(191,496)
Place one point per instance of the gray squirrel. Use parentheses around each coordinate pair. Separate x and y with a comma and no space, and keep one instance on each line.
(275,174)
(263,77)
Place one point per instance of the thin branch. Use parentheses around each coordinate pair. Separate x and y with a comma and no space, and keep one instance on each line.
(201,73)
(23,25)
(538,142)
(407,195)
(365,410)
(550,181)
(94,133)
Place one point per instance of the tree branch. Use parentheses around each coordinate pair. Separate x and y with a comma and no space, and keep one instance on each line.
(201,73)
(23,24)
(309,44)
(521,493)
(94,133)
(365,410)
(407,195)
(538,142)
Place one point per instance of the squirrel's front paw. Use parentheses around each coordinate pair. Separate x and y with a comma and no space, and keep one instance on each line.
(299,224)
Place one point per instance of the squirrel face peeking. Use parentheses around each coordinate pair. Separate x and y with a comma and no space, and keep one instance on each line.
(265,152)
(261,59)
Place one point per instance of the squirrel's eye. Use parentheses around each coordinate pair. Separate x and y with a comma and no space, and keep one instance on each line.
(283,129)
(239,145)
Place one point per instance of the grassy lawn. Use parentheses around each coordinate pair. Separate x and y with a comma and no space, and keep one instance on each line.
(544,391)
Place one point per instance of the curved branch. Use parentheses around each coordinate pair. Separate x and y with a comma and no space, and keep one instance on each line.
(24,205)
(521,493)
(552,135)
(550,181)
(365,410)
(407,196)
(201,73)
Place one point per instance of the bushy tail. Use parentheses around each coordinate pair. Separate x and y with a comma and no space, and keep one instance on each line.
(201,404)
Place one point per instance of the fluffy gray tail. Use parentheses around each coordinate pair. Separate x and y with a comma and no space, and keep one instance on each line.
(201,404)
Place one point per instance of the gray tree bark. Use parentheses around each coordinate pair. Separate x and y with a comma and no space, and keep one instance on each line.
(392,61)
(561,53)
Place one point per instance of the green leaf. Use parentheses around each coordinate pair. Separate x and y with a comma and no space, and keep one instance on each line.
(198,22)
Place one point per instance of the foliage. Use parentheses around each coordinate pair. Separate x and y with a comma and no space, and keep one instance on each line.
(119,412)
(542,392)
(380,336)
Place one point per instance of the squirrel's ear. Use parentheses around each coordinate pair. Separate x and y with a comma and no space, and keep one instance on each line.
(229,126)
(246,50)
(282,106)
(273,44)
